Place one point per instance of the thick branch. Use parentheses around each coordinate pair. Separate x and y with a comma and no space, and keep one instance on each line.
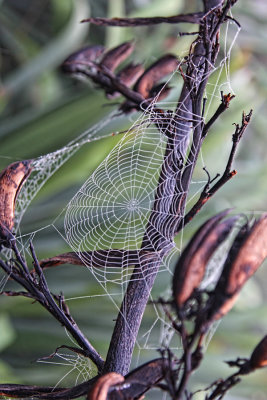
(190,103)
(199,70)
(143,277)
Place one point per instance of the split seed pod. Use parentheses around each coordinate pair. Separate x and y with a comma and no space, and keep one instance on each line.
(78,61)
(247,253)
(11,180)
(114,57)
(103,384)
(191,266)
(162,67)
(258,358)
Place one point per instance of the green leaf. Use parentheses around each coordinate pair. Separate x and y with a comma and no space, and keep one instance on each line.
(7,333)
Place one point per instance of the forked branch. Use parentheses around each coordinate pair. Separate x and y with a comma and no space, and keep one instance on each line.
(228,174)
(37,289)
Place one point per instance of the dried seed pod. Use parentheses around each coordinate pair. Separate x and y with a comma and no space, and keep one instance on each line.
(247,253)
(258,358)
(61,259)
(11,181)
(128,76)
(79,60)
(114,57)
(140,380)
(130,73)
(100,389)
(104,258)
(148,374)
(162,67)
(161,91)
(191,266)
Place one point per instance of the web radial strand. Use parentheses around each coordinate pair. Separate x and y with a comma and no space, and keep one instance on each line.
(45,166)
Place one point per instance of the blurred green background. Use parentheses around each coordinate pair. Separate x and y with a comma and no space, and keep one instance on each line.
(42,110)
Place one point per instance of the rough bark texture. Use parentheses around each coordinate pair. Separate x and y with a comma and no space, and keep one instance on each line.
(128,321)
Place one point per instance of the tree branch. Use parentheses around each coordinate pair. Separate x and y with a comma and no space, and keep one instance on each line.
(194,18)
(37,289)
(228,174)
(200,65)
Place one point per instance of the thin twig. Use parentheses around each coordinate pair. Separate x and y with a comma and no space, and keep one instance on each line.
(194,18)
(228,174)
(225,102)
(39,291)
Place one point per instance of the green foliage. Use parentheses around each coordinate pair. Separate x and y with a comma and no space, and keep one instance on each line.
(41,110)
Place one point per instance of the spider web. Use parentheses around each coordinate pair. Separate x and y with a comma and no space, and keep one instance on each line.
(105,222)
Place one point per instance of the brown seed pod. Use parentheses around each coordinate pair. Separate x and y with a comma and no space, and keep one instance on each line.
(11,180)
(162,67)
(100,389)
(258,358)
(148,374)
(191,266)
(247,253)
(141,379)
(114,57)
(161,91)
(130,73)
(104,258)
(128,76)
(79,60)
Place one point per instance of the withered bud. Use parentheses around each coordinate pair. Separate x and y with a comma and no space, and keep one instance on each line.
(161,68)
(128,76)
(258,358)
(12,179)
(114,57)
(247,253)
(100,389)
(191,266)
(81,59)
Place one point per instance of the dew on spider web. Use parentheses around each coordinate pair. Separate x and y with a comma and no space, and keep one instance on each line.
(112,208)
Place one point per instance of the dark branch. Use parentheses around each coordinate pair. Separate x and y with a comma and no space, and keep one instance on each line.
(225,102)
(228,174)
(39,392)
(200,65)
(37,289)
(194,18)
